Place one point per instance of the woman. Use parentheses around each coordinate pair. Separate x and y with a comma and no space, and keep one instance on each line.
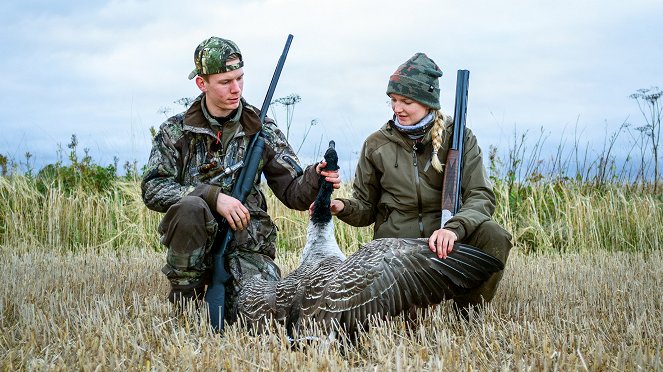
(398,181)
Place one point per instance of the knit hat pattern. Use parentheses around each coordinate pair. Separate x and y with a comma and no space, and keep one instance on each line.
(417,79)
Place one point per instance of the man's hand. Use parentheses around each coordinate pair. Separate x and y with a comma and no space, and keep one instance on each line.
(330,176)
(442,242)
(233,211)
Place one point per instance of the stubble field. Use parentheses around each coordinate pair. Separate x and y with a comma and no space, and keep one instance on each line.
(84,311)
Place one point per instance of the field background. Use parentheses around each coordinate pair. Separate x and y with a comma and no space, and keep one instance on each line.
(82,289)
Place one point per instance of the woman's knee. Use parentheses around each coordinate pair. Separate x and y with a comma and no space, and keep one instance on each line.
(492,238)
(482,294)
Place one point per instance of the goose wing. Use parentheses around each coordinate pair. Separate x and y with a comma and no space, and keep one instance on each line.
(260,301)
(389,276)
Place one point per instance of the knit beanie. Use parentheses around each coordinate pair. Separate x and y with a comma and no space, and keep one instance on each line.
(417,79)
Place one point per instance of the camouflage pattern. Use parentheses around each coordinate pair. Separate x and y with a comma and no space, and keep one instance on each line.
(417,79)
(185,174)
(188,230)
(211,57)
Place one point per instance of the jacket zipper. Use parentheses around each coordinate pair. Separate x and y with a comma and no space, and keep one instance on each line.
(415,163)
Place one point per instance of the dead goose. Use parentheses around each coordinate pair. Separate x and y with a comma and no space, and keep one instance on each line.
(385,277)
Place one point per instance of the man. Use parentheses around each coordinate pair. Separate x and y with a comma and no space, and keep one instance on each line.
(192,170)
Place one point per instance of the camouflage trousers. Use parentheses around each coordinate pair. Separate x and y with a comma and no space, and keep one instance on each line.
(491,238)
(188,230)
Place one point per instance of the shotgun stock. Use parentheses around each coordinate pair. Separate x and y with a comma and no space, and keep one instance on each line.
(451,186)
(216,292)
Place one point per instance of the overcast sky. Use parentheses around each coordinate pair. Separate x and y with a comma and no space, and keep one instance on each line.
(107,70)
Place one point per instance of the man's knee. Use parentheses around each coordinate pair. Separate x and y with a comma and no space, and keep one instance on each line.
(187,225)
(189,211)
(188,230)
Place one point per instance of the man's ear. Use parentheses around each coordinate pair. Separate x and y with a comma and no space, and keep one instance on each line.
(202,85)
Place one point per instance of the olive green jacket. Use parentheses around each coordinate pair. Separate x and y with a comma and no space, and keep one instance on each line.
(396,188)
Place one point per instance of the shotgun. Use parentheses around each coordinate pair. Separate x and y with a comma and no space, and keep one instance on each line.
(216,292)
(453,169)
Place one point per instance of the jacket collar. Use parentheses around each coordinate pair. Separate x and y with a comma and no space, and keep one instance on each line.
(197,117)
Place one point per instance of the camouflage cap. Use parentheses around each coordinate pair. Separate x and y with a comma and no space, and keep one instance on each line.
(212,55)
(417,79)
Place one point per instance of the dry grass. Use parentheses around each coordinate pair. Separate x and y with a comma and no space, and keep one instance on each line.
(104,309)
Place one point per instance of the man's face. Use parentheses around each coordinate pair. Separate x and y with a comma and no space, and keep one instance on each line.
(223,90)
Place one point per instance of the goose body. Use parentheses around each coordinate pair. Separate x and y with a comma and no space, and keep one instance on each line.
(385,277)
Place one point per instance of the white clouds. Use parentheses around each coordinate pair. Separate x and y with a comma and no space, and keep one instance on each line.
(103,72)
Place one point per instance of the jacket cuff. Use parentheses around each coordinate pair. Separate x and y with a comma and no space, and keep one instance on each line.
(348,209)
(209,193)
(457,229)
(312,178)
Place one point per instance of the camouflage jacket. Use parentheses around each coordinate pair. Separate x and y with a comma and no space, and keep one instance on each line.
(191,150)
(396,187)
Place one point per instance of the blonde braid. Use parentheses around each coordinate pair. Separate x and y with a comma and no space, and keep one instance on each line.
(437,134)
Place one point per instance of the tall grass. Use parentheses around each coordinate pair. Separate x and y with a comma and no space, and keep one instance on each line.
(570,217)
(543,217)
(77,218)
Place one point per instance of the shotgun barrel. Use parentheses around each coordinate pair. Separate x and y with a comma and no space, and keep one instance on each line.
(451,187)
(216,292)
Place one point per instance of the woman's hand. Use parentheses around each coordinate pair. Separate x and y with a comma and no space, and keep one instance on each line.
(335,206)
(442,242)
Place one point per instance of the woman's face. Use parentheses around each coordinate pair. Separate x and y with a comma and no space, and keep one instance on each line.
(408,111)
